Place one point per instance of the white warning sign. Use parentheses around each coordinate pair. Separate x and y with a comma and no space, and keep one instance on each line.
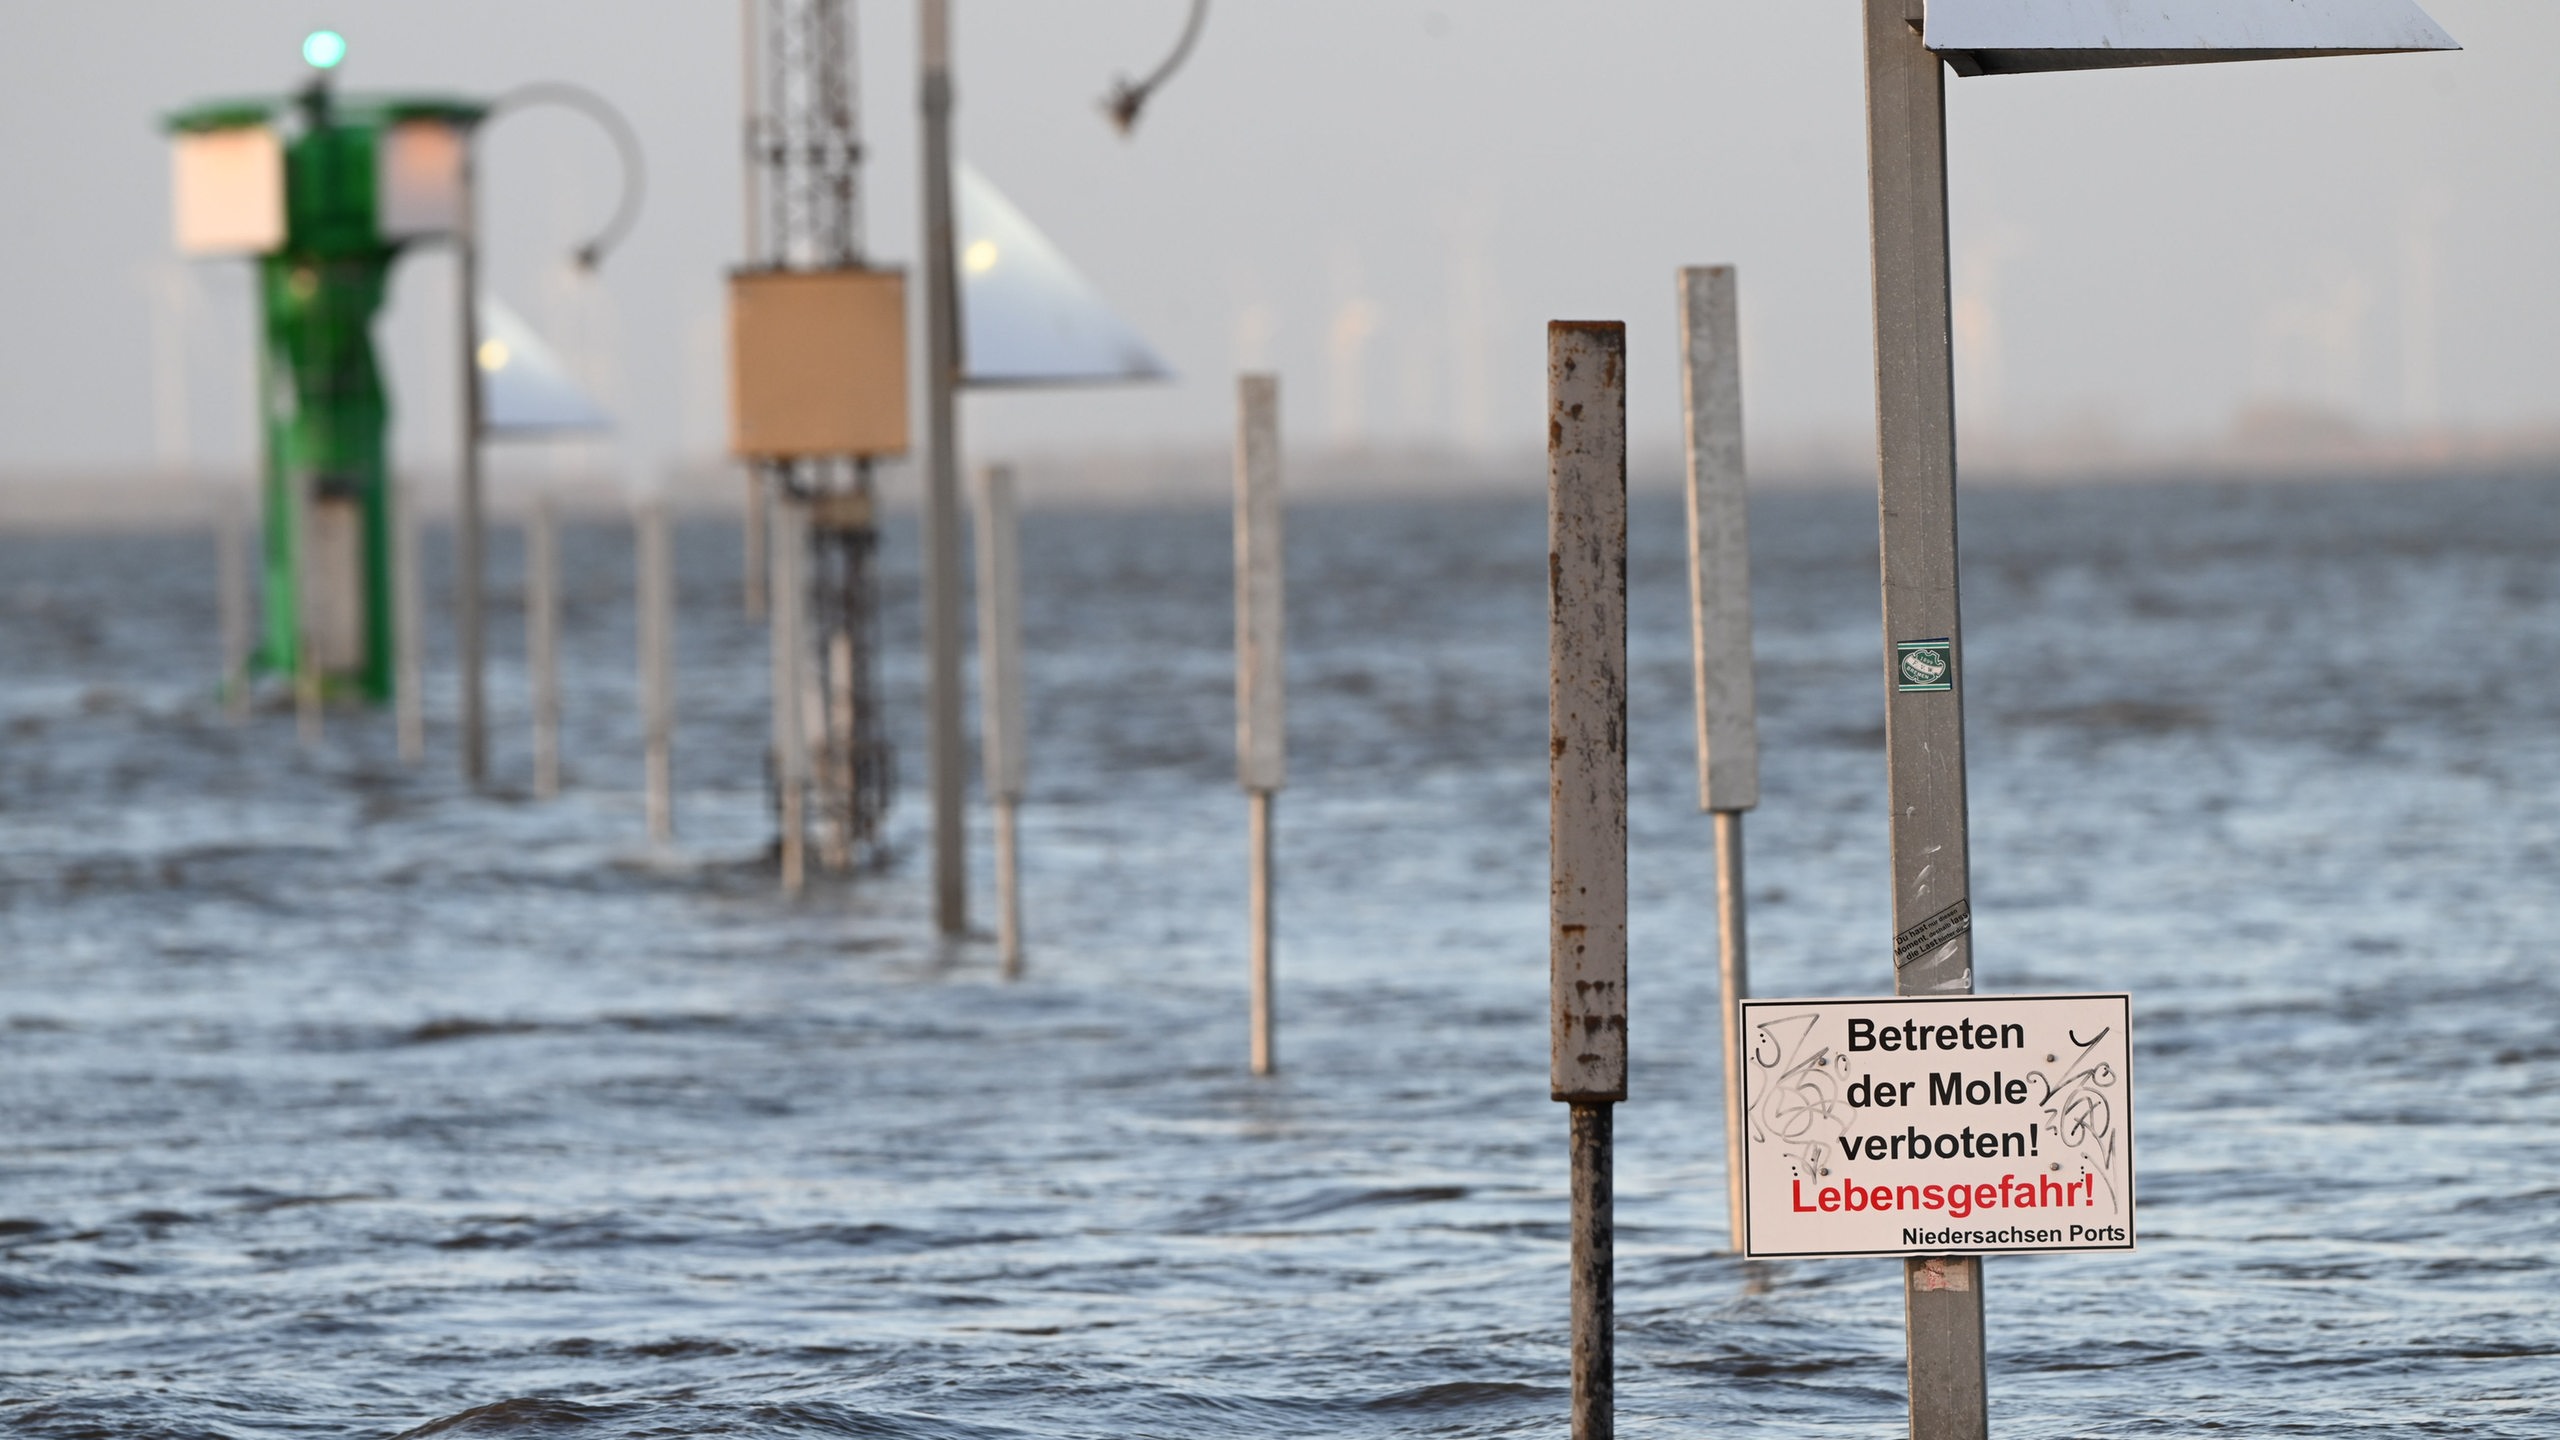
(1938,1125)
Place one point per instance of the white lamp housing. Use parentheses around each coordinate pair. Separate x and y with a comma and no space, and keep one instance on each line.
(1028,315)
(227,191)
(525,390)
(2012,37)
(417,179)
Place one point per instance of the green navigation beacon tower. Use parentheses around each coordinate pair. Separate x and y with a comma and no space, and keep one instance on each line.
(324,191)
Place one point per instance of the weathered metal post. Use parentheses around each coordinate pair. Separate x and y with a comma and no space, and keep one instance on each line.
(1720,645)
(1262,750)
(408,642)
(786,606)
(1924,701)
(946,774)
(1001,729)
(1587,818)
(468,617)
(231,579)
(651,574)
(542,641)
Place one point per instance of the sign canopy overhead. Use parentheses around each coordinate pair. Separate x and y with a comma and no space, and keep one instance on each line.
(1027,315)
(2011,37)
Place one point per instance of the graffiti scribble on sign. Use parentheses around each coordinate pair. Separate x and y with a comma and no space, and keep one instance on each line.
(1798,1094)
(2079,1109)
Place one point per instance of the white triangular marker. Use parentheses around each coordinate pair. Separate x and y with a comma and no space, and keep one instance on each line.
(1027,315)
(524,389)
(2002,37)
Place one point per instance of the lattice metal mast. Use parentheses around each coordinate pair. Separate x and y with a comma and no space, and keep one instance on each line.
(805,136)
(804,150)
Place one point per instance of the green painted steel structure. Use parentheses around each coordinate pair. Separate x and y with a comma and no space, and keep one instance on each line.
(326,419)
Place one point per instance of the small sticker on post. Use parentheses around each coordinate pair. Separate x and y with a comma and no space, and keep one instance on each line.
(1925,665)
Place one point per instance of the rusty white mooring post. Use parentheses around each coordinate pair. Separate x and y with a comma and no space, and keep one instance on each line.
(1720,646)
(1587,814)
(1262,750)
(232,602)
(652,565)
(1000,695)
(408,644)
(542,641)
(786,608)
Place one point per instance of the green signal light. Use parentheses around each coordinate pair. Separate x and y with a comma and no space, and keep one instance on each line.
(323,49)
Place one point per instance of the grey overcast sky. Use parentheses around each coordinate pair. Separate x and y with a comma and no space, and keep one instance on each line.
(1382,199)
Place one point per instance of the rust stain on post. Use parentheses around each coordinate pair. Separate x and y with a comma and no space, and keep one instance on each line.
(1587,708)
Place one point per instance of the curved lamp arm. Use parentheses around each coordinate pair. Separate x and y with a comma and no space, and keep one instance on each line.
(626,145)
(1123,102)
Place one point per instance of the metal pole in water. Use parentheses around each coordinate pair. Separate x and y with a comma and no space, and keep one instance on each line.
(542,642)
(1720,645)
(944,764)
(1923,652)
(467,531)
(758,530)
(786,603)
(657,669)
(1262,750)
(231,577)
(812,690)
(407,642)
(1000,695)
(841,762)
(307,696)
(757,521)
(1733,980)
(1587,814)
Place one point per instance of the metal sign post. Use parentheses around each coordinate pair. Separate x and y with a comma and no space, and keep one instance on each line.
(1907,44)
(1720,644)
(1262,751)
(1924,704)
(1587,812)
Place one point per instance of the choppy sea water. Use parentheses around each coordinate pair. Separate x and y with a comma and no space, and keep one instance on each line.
(338,1101)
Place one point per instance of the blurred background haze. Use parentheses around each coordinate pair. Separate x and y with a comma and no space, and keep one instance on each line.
(1385,201)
